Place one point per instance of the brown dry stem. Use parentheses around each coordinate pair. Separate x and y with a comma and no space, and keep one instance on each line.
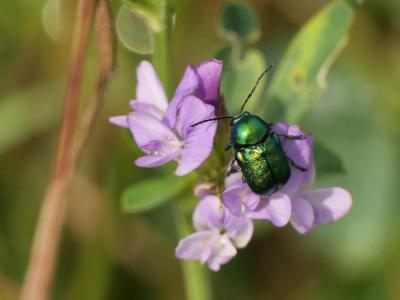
(71,144)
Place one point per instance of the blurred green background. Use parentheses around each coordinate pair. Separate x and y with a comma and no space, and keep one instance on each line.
(106,254)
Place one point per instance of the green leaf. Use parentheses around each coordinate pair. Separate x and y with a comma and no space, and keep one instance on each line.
(154,11)
(327,161)
(239,77)
(239,21)
(300,78)
(148,194)
(134,31)
(57,17)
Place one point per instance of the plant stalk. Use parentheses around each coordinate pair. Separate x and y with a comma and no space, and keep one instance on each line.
(40,272)
(195,275)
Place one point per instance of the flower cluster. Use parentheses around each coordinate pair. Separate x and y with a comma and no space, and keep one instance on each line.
(162,130)
(223,223)
(218,233)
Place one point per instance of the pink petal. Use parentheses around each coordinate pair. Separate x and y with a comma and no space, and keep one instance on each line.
(189,82)
(276,208)
(119,121)
(299,150)
(234,179)
(146,107)
(302,215)
(223,251)
(237,197)
(329,204)
(195,245)
(186,87)
(149,88)
(280,127)
(298,179)
(208,214)
(151,161)
(198,141)
(232,199)
(146,128)
(191,111)
(239,229)
(209,81)
(251,200)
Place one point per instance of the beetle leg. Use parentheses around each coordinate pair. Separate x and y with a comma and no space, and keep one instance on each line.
(233,161)
(293,137)
(296,165)
(232,167)
(229,146)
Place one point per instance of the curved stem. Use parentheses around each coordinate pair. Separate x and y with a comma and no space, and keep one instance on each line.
(162,48)
(46,241)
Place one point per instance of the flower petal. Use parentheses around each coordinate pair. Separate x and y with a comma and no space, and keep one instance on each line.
(329,204)
(146,128)
(119,121)
(198,141)
(149,88)
(239,229)
(297,180)
(298,150)
(147,107)
(280,127)
(194,246)
(234,179)
(187,86)
(277,208)
(151,161)
(191,111)
(223,251)
(209,73)
(189,82)
(302,215)
(208,214)
(232,199)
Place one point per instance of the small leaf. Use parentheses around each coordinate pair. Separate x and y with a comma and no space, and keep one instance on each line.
(148,194)
(300,78)
(153,11)
(56,19)
(134,31)
(239,21)
(239,77)
(327,162)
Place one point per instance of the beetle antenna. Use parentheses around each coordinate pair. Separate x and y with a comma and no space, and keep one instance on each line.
(254,88)
(213,119)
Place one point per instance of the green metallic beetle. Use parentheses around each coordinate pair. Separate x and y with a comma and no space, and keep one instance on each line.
(258,150)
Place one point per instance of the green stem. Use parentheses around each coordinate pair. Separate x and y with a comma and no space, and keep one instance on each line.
(195,275)
(162,49)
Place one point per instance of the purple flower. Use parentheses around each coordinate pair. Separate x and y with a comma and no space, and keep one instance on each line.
(241,201)
(162,130)
(304,208)
(218,234)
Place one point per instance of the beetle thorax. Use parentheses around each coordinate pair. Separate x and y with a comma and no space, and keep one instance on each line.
(248,129)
